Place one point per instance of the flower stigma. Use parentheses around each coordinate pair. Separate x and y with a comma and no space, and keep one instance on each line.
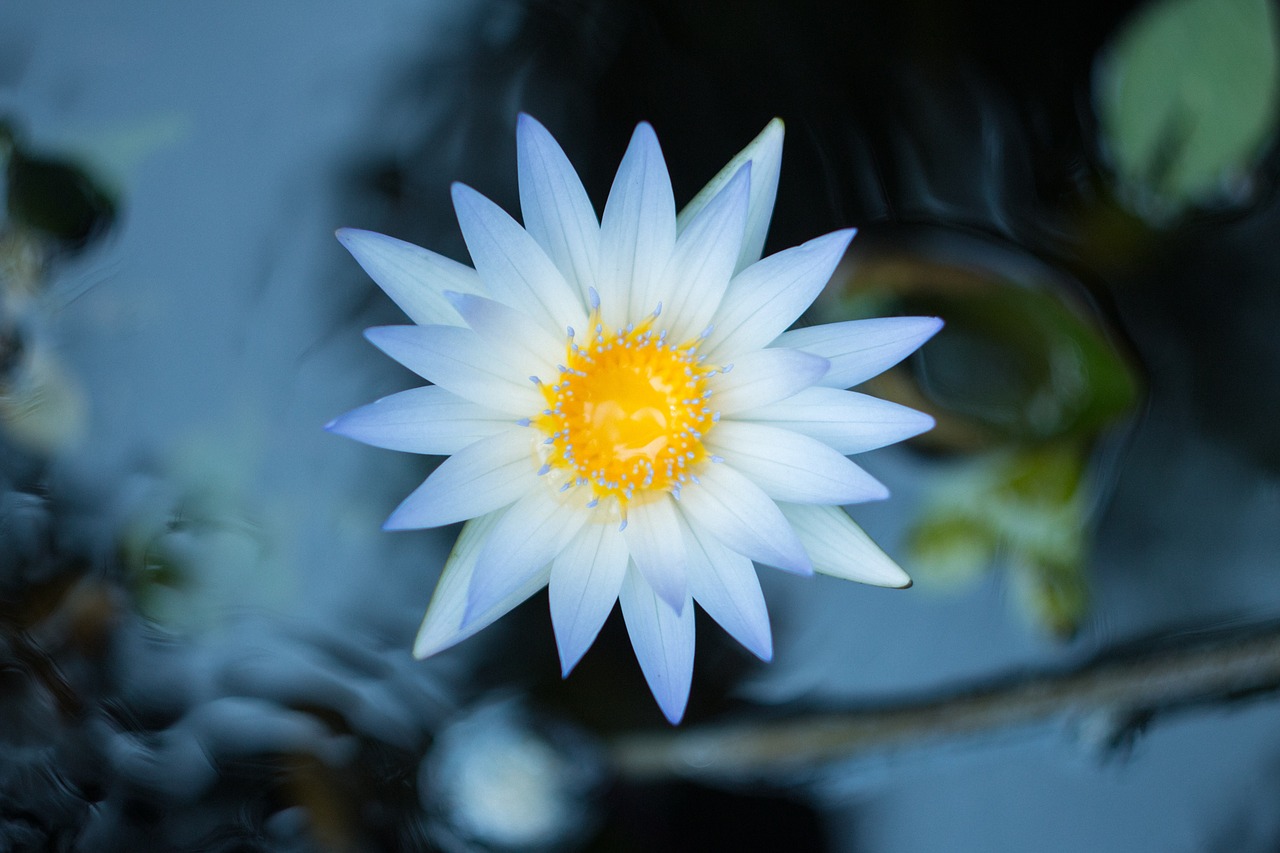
(629,413)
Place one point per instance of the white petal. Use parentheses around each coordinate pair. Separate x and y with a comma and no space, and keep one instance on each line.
(767,297)
(513,266)
(637,232)
(414,278)
(840,548)
(482,477)
(726,586)
(460,361)
(762,377)
(735,511)
(442,626)
(793,467)
(526,539)
(860,349)
(557,212)
(421,420)
(663,640)
(585,579)
(702,263)
(846,420)
(764,153)
(506,329)
(653,538)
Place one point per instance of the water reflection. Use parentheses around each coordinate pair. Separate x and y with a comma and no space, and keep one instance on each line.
(500,779)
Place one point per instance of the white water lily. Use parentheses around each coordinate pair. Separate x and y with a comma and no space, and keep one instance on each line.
(625,416)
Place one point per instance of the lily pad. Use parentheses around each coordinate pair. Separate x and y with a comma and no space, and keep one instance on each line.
(1188,96)
(1024,358)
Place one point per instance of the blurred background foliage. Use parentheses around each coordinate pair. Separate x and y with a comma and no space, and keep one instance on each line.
(1026,378)
(1186,94)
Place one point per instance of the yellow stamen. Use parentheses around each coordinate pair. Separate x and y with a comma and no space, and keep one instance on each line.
(628,417)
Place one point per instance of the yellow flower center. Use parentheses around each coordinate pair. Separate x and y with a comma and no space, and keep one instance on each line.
(629,414)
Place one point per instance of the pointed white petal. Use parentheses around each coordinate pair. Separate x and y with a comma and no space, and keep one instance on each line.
(767,297)
(442,626)
(528,537)
(762,377)
(585,579)
(421,420)
(726,586)
(460,361)
(793,467)
(513,266)
(557,212)
(507,330)
(840,548)
(846,420)
(702,263)
(637,232)
(735,511)
(414,278)
(663,640)
(860,349)
(653,538)
(764,153)
(482,477)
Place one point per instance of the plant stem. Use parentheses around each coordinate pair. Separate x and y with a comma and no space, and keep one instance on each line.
(1194,670)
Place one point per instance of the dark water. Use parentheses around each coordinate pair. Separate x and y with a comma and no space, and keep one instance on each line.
(204,634)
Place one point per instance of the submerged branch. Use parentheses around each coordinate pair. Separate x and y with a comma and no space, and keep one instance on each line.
(1133,686)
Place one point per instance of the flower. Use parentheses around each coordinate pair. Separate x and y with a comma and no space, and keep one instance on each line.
(625,416)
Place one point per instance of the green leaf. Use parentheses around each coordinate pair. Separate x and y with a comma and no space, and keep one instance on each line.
(951,548)
(1025,357)
(1024,509)
(1020,365)
(1187,97)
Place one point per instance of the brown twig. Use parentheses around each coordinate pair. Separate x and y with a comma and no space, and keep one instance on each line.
(1197,669)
